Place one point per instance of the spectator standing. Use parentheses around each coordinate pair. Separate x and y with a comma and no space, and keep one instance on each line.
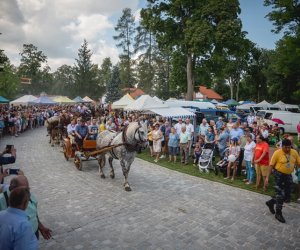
(236,132)
(197,153)
(173,144)
(203,128)
(250,119)
(15,229)
(219,123)
(248,156)
(150,139)
(190,130)
(222,141)
(183,144)
(234,149)
(261,160)
(157,136)
(283,162)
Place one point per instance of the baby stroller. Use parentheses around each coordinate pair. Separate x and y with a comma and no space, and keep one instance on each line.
(221,166)
(206,158)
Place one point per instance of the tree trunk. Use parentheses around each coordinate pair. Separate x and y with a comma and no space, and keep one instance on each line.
(189,74)
(231,87)
(237,91)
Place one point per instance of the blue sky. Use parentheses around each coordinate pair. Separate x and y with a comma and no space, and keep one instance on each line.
(58,27)
(254,22)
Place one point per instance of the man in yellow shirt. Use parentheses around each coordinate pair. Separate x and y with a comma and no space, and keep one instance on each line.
(283,161)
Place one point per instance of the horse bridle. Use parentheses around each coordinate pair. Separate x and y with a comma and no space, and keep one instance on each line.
(132,147)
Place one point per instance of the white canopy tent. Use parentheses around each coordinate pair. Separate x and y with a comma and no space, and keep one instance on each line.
(145,102)
(157,99)
(171,112)
(24,100)
(264,103)
(123,102)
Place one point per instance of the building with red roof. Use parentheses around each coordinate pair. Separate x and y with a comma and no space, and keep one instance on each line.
(207,94)
(133,92)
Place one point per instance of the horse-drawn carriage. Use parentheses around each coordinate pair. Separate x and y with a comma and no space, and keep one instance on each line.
(79,154)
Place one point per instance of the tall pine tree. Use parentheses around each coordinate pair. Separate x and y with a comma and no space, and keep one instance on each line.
(85,72)
(113,87)
(125,29)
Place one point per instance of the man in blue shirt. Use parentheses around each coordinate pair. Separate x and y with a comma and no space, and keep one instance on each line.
(81,132)
(15,229)
(236,132)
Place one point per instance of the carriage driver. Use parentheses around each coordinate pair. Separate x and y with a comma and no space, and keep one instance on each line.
(71,130)
(81,132)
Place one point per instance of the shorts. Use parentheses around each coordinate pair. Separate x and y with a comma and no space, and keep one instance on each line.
(172,151)
(150,143)
(163,144)
(262,170)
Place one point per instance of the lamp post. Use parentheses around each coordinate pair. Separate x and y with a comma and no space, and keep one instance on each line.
(259,86)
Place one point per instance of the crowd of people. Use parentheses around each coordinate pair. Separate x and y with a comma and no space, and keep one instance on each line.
(177,141)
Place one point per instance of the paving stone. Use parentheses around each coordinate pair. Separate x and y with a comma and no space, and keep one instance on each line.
(165,210)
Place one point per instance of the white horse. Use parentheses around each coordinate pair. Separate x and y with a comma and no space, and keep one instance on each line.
(127,143)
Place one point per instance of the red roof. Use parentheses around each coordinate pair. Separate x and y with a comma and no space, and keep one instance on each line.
(134,92)
(209,93)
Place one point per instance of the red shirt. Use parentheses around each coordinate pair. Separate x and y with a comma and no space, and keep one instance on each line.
(259,149)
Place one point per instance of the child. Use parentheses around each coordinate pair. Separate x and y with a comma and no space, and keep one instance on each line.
(197,153)
(234,149)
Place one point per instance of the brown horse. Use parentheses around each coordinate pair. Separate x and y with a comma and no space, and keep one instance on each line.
(56,127)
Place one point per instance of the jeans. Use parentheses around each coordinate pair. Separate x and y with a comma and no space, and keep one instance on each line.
(250,171)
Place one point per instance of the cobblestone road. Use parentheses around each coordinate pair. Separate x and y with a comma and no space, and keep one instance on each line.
(165,210)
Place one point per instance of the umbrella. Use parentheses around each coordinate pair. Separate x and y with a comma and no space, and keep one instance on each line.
(277,120)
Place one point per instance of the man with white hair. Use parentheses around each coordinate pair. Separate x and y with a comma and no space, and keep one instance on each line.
(190,129)
(203,128)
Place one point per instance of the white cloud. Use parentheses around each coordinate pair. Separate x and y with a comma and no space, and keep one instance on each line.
(58,27)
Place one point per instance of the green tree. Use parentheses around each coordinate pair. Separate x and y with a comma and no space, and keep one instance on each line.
(125,29)
(195,28)
(85,73)
(285,16)
(31,66)
(113,92)
(9,80)
(105,73)
(64,81)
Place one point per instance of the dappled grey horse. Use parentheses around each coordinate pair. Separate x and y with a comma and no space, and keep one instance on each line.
(127,143)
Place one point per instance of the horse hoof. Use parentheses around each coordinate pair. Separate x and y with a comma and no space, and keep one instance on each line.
(52,145)
(127,188)
(112,176)
(102,176)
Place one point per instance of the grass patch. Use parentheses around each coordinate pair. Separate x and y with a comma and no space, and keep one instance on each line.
(194,171)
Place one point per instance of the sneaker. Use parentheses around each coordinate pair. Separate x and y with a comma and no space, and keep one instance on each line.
(162,157)
(249,183)
(155,160)
(226,178)
(279,217)
(270,206)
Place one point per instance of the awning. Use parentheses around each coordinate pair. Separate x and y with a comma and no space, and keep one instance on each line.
(171,112)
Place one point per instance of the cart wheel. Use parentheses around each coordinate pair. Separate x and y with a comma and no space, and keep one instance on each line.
(65,152)
(78,162)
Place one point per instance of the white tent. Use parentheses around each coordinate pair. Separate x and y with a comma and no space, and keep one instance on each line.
(264,103)
(157,99)
(123,102)
(24,100)
(171,112)
(280,103)
(145,102)
(88,99)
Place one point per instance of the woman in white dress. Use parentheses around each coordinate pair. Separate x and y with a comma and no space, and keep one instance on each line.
(157,137)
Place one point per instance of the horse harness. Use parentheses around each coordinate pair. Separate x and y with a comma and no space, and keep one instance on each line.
(129,147)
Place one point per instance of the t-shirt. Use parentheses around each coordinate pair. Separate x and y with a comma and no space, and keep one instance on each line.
(173,140)
(259,149)
(248,153)
(285,163)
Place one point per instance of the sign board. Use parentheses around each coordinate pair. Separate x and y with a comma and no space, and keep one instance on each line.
(25,80)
